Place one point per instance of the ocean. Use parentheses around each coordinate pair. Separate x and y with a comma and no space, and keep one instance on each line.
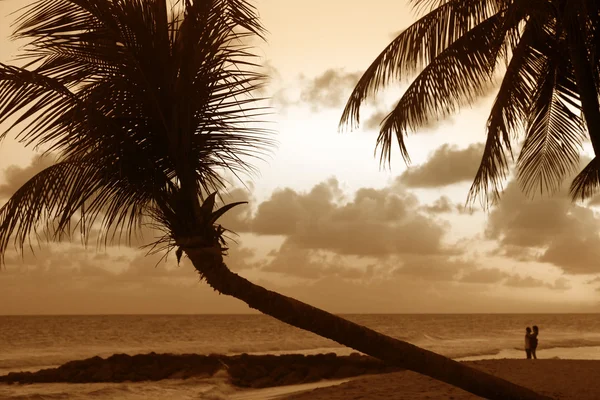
(30,343)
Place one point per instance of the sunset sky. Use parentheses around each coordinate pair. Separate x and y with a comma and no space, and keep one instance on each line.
(325,223)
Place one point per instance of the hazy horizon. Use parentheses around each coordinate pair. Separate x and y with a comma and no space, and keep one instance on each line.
(259,313)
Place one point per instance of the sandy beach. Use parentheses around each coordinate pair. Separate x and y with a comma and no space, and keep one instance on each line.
(560,379)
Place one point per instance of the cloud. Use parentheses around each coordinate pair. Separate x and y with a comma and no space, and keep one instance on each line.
(272,75)
(441,206)
(561,284)
(375,222)
(446,166)
(484,275)
(495,275)
(593,281)
(329,90)
(523,282)
(238,218)
(595,201)
(374,121)
(549,229)
(406,294)
(286,208)
(515,252)
(70,279)
(530,282)
(15,176)
(293,261)
(436,268)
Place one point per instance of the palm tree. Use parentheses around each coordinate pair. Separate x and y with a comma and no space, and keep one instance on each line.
(548,51)
(145,106)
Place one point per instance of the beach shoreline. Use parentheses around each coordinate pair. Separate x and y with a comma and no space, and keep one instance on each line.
(556,378)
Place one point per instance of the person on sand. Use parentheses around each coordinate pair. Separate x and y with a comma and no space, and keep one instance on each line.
(533,342)
(528,342)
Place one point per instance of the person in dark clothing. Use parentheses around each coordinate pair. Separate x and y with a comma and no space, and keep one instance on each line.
(533,341)
(528,342)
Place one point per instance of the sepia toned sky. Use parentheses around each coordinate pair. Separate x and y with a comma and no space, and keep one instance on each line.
(325,223)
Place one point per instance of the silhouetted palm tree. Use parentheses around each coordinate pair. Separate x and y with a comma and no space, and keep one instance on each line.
(549,53)
(145,108)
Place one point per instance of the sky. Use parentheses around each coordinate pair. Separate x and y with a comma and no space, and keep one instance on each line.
(325,223)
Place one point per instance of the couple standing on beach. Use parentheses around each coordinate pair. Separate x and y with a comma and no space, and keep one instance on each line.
(531,341)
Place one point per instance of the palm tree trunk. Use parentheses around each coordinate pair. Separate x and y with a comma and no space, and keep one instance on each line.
(209,262)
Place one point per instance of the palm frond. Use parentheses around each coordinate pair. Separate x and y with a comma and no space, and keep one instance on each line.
(158,104)
(417,46)
(457,76)
(24,93)
(54,194)
(509,111)
(587,182)
(554,137)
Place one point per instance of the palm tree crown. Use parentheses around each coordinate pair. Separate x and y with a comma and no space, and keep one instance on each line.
(144,104)
(549,54)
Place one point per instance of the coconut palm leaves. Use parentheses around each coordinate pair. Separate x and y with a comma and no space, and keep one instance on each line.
(145,106)
(208,216)
(548,52)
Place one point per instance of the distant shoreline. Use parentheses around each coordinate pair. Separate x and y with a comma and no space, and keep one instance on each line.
(355,364)
(257,313)
(321,377)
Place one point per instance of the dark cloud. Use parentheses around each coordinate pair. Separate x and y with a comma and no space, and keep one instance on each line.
(446,166)
(374,223)
(549,229)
